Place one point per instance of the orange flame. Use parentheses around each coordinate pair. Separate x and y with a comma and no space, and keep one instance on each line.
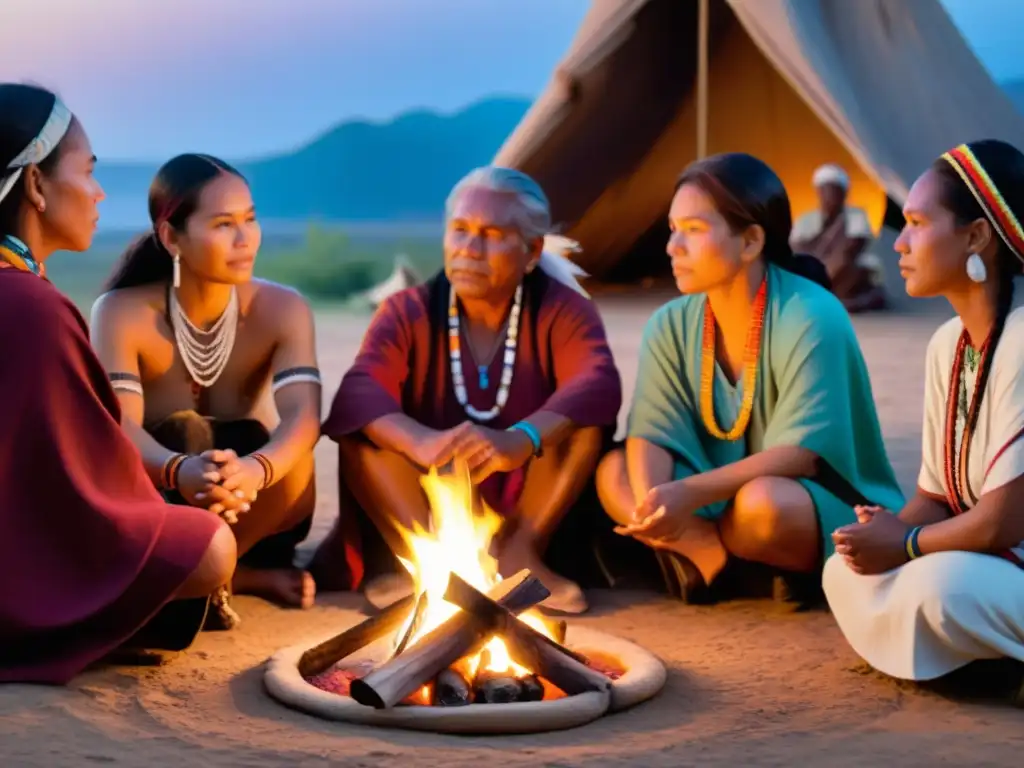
(458,542)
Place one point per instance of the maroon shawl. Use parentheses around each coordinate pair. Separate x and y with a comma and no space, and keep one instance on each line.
(89,551)
(563,365)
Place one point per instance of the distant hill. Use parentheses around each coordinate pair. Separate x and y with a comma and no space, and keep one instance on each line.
(359,171)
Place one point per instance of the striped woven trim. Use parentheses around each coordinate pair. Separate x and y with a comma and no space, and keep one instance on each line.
(302,374)
(972,172)
(125,382)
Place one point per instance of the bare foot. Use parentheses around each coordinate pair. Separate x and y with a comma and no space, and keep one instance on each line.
(284,586)
(706,553)
(566,596)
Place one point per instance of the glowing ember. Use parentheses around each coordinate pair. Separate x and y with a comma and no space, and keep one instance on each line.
(459,542)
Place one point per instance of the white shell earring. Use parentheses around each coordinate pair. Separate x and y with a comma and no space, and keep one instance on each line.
(976,268)
(176,271)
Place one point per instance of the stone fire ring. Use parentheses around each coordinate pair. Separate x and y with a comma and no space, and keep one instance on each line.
(644,678)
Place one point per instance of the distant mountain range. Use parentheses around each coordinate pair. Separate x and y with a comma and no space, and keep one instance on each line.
(396,171)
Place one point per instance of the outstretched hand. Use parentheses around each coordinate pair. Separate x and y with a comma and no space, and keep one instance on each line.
(663,514)
(875,543)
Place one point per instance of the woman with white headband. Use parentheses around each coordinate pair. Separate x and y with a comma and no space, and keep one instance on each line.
(500,364)
(91,556)
(926,589)
(204,357)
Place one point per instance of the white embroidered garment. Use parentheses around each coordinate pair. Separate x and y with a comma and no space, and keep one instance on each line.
(944,610)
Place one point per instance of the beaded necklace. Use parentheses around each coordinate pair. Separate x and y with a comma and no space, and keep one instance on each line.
(508,364)
(15,253)
(958,486)
(751,356)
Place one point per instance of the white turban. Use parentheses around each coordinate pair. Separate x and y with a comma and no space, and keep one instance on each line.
(39,148)
(831,174)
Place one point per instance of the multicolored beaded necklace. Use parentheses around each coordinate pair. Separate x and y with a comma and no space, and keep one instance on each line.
(15,253)
(508,364)
(751,358)
(958,486)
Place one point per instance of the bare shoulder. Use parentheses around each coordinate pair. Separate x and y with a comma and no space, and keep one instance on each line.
(128,308)
(267,296)
(275,308)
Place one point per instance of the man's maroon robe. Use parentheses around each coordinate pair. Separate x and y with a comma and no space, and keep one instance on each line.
(563,365)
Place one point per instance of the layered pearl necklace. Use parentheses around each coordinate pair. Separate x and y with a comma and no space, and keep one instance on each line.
(508,364)
(204,353)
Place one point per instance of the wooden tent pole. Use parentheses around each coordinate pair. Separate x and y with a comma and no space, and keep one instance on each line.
(702,78)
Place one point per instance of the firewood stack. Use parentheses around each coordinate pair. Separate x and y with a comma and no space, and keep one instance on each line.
(433,659)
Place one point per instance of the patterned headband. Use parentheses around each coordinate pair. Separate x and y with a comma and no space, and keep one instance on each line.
(987,194)
(39,148)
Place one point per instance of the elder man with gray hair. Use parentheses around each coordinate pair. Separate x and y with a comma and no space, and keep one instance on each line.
(498,364)
(838,235)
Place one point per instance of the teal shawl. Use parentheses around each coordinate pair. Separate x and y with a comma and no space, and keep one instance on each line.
(813,391)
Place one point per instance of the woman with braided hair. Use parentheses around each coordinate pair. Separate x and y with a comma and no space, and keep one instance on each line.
(921,592)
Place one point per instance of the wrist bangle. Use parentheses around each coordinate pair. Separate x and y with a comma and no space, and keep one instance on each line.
(910,543)
(268,469)
(531,432)
(170,470)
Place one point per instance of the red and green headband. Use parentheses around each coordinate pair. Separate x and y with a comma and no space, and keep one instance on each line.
(987,194)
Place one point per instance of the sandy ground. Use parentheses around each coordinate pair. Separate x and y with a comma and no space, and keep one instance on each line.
(748,683)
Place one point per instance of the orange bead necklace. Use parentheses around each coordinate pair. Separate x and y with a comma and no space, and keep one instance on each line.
(751,357)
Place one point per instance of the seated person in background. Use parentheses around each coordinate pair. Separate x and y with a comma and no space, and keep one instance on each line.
(926,590)
(203,356)
(838,235)
(91,557)
(753,425)
(500,361)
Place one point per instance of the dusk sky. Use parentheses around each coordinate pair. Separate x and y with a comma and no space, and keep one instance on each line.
(237,78)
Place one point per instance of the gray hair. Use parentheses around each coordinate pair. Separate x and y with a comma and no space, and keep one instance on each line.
(534,219)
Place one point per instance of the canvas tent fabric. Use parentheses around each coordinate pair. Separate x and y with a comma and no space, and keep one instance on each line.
(880,87)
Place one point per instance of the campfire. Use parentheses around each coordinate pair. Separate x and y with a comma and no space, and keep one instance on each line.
(465,636)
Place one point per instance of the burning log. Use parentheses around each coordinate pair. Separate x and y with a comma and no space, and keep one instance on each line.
(532,689)
(496,688)
(451,690)
(560,630)
(546,658)
(503,687)
(414,623)
(391,682)
(321,657)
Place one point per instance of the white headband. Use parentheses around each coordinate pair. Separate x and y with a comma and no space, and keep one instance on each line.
(39,148)
(831,174)
(555,263)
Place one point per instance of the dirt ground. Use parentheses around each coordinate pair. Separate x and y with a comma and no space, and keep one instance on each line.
(748,683)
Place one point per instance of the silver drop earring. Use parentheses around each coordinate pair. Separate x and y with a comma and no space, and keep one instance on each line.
(976,268)
(176,272)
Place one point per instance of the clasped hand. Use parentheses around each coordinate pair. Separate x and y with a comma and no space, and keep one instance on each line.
(485,451)
(875,543)
(221,482)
